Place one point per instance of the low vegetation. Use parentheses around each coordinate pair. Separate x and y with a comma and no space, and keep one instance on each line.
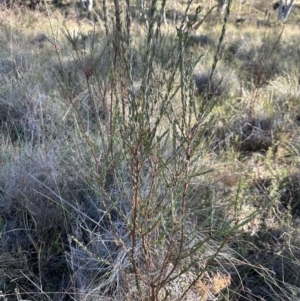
(147,156)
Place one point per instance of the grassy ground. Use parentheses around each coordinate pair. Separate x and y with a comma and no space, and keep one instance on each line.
(131,171)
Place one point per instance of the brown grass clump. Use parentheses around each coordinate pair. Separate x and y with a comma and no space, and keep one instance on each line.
(222,84)
(201,40)
(256,135)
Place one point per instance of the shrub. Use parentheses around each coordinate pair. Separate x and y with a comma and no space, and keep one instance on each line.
(147,241)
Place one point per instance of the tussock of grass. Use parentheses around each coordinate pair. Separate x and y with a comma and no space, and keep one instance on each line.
(222,85)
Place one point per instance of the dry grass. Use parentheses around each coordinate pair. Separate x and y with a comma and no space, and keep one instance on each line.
(60,238)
